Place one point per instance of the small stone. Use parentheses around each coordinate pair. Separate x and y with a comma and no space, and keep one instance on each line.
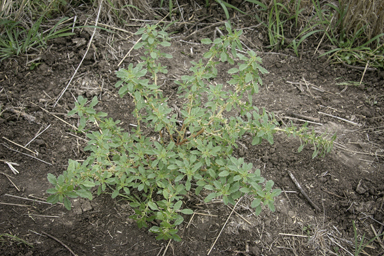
(40,142)
(86,206)
(360,189)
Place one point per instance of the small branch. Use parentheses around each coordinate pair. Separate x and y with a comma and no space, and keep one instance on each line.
(85,54)
(313,119)
(233,209)
(57,240)
(37,135)
(9,178)
(25,154)
(303,192)
(342,119)
(166,248)
(193,136)
(19,145)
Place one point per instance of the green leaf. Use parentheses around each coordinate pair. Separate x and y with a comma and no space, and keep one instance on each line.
(233,71)
(256,140)
(245,190)
(88,184)
(186,211)
(269,185)
(53,199)
(154,55)
(223,174)
(51,178)
(210,197)
(300,148)
(67,203)
(258,210)
(152,205)
(115,193)
(84,193)
(206,41)
(178,220)
(172,167)
(271,206)
(242,67)
(256,202)
(177,205)
(248,77)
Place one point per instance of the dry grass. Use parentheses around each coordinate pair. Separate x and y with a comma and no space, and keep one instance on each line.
(116,11)
(360,13)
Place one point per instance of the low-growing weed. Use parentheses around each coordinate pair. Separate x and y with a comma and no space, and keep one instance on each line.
(14,238)
(359,246)
(191,151)
(16,39)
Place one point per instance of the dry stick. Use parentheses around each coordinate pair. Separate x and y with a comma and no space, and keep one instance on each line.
(28,199)
(9,178)
(355,67)
(37,135)
(166,248)
(19,145)
(112,27)
(126,55)
(74,127)
(283,234)
(23,114)
(200,30)
(365,70)
(10,165)
(306,84)
(342,119)
(224,226)
(323,36)
(85,54)
(25,154)
(20,205)
(240,216)
(301,120)
(303,192)
(57,240)
(377,237)
(313,119)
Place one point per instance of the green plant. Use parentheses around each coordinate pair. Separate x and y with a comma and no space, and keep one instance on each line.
(16,39)
(14,238)
(192,149)
(359,247)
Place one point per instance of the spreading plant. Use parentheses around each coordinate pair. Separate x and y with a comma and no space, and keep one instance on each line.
(178,151)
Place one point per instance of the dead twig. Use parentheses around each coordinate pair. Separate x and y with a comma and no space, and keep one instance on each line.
(313,119)
(37,135)
(57,240)
(23,114)
(10,165)
(233,209)
(166,248)
(20,205)
(85,54)
(303,192)
(19,145)
(342,119)
(9,178)
(28,199)
(25,154)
